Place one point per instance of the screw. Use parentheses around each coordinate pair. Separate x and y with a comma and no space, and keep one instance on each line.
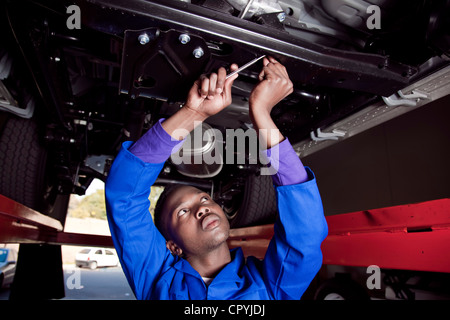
(143,39)
(198,52)
(281,16)
(184,38)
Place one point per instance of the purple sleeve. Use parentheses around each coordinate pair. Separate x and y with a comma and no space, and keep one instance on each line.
(156,145)
(288,166)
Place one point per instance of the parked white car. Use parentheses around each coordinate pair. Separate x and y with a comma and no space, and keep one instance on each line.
(8,258)
(96,257)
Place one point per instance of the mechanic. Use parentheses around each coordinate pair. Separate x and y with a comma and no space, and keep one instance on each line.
(186,256)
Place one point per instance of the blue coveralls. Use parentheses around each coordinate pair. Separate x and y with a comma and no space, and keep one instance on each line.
(292,260)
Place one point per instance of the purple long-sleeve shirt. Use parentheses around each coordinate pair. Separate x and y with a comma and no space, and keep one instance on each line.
(157,145)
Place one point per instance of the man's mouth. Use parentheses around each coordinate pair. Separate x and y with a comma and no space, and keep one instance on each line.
(210,222)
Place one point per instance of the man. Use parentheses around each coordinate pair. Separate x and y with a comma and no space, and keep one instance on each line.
(187,256)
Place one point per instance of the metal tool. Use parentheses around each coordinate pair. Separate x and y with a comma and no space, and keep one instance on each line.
(245,66)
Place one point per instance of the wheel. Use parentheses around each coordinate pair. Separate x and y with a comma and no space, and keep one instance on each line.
(22,158)
(255,204)
(25,176)
(93,265)
(341,289)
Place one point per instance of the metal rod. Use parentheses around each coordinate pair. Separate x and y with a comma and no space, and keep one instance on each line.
(244,12)
(245,66)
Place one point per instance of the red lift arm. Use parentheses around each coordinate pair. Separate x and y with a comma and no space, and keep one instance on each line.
(407,237)
(20,224)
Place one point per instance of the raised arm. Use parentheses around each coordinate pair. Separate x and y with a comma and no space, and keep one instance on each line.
(140,246)
(294,256)
(273,87)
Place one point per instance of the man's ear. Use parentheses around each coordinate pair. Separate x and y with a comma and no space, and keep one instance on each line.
(173,248)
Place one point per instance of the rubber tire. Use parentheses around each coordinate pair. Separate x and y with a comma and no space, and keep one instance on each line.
(93,265)
(24,178)
(23,160)
(259,204)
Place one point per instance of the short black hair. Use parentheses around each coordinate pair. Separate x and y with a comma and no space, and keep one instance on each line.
(157,214)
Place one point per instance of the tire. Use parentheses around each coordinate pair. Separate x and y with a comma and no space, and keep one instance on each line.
(25,176)
(22,159)
(93,265)
(341,289)
(256,205)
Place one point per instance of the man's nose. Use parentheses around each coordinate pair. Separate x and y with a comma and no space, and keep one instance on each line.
(201,211)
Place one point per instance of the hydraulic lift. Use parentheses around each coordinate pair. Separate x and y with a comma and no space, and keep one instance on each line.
(406,237)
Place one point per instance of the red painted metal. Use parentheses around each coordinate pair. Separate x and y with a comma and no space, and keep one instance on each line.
(20,224)
(408,237)
(21,213)
(253,240)
(417,216)
(421,251)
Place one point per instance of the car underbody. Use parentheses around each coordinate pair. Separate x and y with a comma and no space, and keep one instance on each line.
(130,63)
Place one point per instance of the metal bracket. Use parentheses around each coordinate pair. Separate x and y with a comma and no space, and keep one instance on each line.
(155,62)
(322,136)
(9,104)
(98,163)
(401,99)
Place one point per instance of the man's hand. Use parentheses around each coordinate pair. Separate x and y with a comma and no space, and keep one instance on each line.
(211,94)
(273,87)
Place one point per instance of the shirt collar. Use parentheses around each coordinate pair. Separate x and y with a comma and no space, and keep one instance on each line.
(231,271)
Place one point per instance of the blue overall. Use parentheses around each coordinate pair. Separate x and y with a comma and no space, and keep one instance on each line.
(292,260)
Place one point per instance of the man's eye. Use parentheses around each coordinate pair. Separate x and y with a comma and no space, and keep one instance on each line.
(204,199)
(182,212)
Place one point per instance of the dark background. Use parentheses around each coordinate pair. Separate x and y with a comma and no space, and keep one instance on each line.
(404,160)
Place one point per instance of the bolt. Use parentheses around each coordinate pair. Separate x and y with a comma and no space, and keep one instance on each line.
(143,39)
(184,38)
(281,16)
(198,53)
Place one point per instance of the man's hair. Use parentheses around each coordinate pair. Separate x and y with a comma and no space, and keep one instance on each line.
(157,214)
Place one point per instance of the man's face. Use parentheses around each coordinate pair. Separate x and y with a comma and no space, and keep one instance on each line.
(194,222)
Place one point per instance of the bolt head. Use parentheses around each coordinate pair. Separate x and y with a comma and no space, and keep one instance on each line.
(198,53)
(143,39)
(281,16)
(184,38)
